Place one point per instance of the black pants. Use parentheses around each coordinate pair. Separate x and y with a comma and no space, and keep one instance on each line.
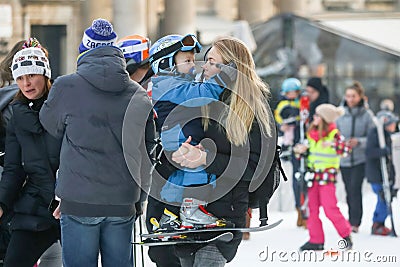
(26,247)
(353,178)
(163,256)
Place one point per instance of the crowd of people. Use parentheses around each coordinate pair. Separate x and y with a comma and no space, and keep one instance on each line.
(139,128)
(345,142)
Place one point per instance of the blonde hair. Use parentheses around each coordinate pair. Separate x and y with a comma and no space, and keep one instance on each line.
(249,96)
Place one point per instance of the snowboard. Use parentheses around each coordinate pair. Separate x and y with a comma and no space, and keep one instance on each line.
(215,229)
(183,239)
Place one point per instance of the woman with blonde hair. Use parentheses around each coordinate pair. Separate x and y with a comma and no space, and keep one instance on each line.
(239,146)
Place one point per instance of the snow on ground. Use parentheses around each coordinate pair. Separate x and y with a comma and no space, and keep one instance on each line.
(279,246)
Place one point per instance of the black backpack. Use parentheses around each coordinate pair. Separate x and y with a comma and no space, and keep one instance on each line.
(261,196)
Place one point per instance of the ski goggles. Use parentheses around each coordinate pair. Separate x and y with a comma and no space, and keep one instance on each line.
(190,42)
(187,43)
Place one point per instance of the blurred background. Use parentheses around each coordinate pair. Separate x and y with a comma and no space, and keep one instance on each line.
(337,40)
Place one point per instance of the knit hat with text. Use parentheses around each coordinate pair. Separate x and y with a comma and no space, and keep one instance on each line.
(31,59)
(99,34)
(329,112)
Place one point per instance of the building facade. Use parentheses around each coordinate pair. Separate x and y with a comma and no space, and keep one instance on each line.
(59,24)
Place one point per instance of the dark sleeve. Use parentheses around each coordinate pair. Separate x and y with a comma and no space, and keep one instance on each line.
(242,160)
(147,161)
(373,150)
(2,139)
(13,176)
(52,114)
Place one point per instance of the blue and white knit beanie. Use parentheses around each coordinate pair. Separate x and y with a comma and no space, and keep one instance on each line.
(99,34)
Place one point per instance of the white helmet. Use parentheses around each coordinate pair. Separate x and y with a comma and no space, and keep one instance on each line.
(163,50)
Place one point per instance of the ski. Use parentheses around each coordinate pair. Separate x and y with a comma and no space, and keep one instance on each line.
(385,176)
(300,175)
(215,229)
(182,239)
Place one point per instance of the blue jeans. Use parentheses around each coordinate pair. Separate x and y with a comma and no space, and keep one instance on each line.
(83,238)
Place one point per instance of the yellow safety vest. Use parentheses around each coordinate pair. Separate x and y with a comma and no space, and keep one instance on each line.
(321,158)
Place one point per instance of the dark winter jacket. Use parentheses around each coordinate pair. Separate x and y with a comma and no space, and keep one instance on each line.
(235,167)
(6,96)
(322,98)
(103,117)
(27,184)
(374,154)
(356,122)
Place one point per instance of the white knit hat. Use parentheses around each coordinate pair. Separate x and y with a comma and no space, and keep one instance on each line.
(31,60)
(329,112)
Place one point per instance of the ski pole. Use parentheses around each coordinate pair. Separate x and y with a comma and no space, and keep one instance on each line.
(141,239)
(134,246)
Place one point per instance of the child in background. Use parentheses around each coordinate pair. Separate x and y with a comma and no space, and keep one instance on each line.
(287,111)
(323,159)
(373,169)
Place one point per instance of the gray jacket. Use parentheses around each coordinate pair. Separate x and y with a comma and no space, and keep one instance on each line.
(355,123)
(105,122)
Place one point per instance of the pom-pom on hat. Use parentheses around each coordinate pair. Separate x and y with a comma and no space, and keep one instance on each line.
(329,112)
(101,33)
(30,60)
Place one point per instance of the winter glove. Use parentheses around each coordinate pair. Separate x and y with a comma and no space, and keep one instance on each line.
(394,192)
(385,151)
(228,74)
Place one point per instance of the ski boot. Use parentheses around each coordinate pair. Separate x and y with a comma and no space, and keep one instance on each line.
(380,229)
(194,215)
(312,246)
(349,243)
(168,222)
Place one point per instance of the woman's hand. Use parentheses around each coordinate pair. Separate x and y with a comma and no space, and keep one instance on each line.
(352,142)
(1,212)
(190,156)
(57,212)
